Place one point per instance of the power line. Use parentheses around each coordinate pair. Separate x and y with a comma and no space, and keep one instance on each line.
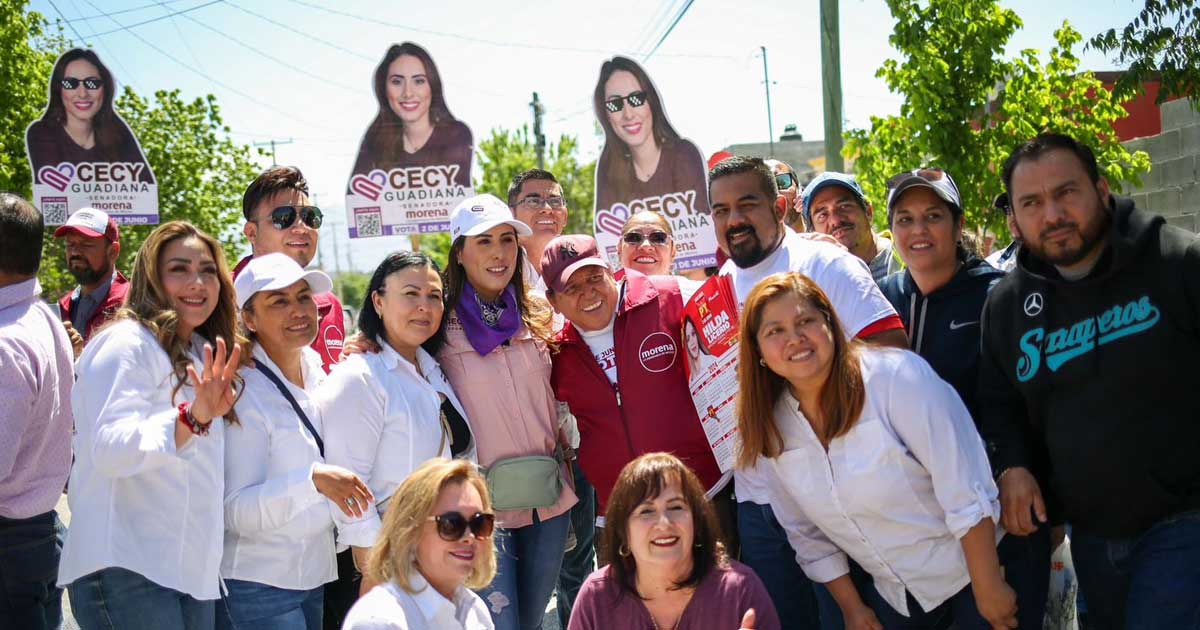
(652,26)
(488,42)
(130,77)
(159,18)
(298,32)
(209,77)
(182,37)
(262,53)
(82,41)
(683,11)
(101,16)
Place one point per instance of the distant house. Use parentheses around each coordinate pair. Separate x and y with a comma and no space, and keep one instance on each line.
(806,157)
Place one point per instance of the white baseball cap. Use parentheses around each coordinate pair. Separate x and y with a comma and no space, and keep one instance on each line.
(276,271)
(478,214)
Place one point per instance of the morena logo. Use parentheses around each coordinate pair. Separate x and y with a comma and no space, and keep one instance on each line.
(657,352)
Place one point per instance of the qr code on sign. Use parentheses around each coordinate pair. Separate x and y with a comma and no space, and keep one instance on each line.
(54,210)
(368,222)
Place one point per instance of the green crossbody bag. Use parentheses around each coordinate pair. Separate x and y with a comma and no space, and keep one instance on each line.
(522,483)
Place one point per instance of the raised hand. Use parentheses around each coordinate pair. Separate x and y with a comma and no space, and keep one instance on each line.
(358,343)
(75,337)
(344,488)
(748,620)
(214,386)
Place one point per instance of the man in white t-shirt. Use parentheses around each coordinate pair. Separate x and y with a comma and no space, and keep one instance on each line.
(750,228)
(537,200)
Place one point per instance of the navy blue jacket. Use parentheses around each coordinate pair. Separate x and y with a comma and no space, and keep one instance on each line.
(943,327)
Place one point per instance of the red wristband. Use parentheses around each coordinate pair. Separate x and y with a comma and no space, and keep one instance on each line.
(185,416)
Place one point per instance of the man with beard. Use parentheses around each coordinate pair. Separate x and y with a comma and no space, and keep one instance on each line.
(1085,399)
(834,204)
(93,244)
(749,226)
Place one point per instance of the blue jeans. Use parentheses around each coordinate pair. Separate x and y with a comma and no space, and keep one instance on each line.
(960,609)
(766,550)
(528,560)
(29,552)
(1149,581)
(255,606)
(1026,564)
(119,599)
(579,562)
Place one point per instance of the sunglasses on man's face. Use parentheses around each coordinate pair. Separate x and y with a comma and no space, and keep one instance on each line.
(617,103)
(284,217)
(91,83)
(451,526)
(785,180)
(657,237)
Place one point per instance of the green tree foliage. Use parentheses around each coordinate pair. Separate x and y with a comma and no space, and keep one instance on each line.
(966,107)
(505,153)
(201,174)
(1162,42)
(30,48)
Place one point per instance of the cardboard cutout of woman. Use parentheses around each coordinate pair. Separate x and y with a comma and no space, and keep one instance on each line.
(80,151)
(414,162)
(646,165)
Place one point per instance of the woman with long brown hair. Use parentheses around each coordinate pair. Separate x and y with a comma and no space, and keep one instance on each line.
(80,124)
(497,357)
(868,455)
(144,549)
(413,127)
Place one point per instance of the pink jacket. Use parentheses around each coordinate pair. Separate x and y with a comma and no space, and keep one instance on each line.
(510,405)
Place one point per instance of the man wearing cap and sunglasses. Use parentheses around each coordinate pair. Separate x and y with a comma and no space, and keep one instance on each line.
(93,245)
(280,218)
(834,204)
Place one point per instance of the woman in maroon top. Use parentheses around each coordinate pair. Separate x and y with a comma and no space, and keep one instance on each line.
(670,570)
(414,127)
(643,154)
(80,124)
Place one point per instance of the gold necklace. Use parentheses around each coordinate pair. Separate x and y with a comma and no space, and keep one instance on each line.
(654,622)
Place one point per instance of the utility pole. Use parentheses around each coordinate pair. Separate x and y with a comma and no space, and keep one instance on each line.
(272,144)
(538,136)
(767,84)
(831,85)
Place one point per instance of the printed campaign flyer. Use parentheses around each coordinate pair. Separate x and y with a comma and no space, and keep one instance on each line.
(414,161)
(646,166)
(710,338)
(80,151)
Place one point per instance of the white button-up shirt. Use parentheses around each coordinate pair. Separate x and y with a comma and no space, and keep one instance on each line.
(278,528)
(895,493)
(382,421)
(389,607)
(137,502)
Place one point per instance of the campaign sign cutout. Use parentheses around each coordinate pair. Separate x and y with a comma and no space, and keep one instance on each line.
(710,343)
(414,161)
(646,166)
(82,154)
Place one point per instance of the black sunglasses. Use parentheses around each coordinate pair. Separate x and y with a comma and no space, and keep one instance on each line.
(785,180)
(91,83)
(617,103)
(451,526)
(284,217)
(657,237)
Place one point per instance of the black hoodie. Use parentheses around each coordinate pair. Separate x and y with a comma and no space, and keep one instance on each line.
(1090,384)
(943,327)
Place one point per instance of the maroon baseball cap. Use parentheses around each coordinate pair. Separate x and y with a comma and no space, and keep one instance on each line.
(91,223)
(566,254)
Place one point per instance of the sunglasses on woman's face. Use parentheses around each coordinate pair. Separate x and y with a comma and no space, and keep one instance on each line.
(451,526)
(284,217)
(657,237)
(785,180)
(617,103)
(91,83)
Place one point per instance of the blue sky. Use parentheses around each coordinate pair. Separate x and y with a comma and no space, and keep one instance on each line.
(295,69)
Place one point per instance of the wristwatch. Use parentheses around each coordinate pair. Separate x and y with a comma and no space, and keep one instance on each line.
(188,420)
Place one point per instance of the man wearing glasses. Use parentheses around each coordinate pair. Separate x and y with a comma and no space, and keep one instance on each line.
(834,204)
(789,188)
(536,199)
(280,218)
